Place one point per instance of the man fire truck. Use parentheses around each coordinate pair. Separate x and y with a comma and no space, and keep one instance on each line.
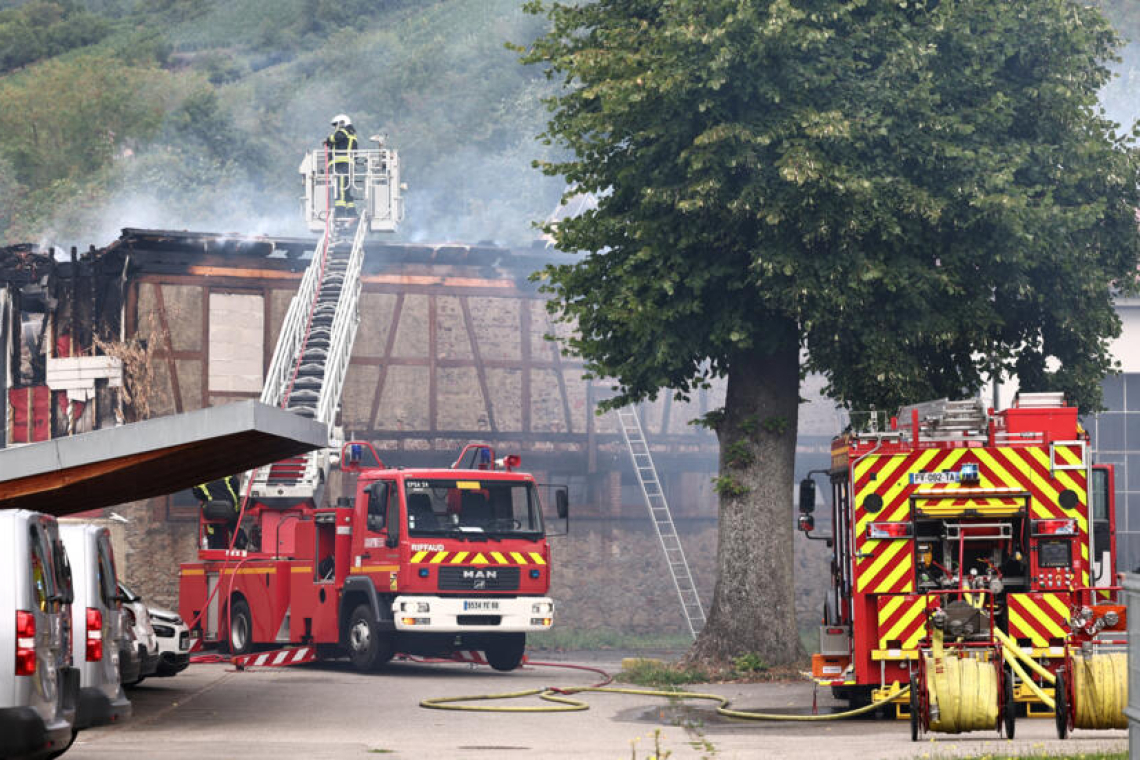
(975,544)
(417,561)
(421,561)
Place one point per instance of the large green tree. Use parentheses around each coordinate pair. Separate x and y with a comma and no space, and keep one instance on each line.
(906,196)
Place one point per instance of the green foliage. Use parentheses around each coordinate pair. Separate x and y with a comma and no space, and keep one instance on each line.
(175,10)
(710,420)
(776,425)
(738,455)
(70,117)
(728,487)
(915,193)
(659,675)
(44,28)
(749,662)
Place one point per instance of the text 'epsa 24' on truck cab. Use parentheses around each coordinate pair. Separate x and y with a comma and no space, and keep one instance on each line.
(420,561)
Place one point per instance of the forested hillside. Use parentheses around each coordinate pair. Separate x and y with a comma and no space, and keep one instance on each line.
(195,113)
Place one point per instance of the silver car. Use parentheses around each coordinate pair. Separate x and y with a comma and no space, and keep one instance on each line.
(97,623)
(39,690)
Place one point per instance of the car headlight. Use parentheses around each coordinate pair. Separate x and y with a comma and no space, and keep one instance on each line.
(164,631)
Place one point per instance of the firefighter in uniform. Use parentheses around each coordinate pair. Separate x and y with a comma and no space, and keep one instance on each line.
(342,143)
(225,491)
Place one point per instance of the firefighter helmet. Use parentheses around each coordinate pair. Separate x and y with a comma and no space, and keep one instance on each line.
(341,120)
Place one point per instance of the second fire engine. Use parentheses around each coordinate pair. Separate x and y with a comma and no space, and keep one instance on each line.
(974,559)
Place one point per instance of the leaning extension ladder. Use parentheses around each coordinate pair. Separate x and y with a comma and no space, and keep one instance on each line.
(662,519)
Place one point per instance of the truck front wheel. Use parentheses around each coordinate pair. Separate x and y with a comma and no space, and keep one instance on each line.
(506,652)
(368,646)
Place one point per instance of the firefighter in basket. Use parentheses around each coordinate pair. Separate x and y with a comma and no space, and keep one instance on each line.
(342,146)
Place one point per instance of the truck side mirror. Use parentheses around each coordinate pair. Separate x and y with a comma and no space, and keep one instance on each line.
(807,496)
(377,506)
(392,521)
(562,503)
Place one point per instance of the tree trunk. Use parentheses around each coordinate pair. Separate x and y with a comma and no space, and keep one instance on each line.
(753,608)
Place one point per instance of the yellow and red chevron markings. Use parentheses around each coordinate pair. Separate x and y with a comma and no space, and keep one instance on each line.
(1040,617)
(1009,476)
(902,621)
(477,558)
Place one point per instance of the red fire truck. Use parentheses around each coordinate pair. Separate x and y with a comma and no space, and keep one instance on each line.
(420,561)
(957,517)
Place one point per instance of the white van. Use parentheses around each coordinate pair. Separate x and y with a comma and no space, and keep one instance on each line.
(39,690)
(97,624)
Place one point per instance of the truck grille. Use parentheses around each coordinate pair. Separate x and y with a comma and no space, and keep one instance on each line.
(479,619)
(479,578)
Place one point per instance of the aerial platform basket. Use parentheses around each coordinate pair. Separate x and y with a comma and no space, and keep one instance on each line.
(374,178)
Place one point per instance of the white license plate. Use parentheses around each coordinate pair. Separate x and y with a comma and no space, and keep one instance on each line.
(480,606)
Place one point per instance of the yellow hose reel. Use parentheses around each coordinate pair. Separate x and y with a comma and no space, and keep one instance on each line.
(957,690)
(1092,691)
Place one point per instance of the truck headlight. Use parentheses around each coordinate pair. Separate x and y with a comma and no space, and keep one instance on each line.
(539,608)
(415,607)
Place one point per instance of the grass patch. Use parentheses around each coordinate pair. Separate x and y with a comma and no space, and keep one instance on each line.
(658,675)
(584,640)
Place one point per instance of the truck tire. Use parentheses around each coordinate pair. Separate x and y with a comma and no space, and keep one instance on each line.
(241,627)
(369,648)
(506,652)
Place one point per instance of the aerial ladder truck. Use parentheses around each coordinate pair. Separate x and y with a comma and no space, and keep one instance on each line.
(973,559)
(415,561)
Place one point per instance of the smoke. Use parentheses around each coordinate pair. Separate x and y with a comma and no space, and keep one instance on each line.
(1120,98)
(436,80)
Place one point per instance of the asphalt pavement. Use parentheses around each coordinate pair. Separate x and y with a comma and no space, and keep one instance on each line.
(320,711)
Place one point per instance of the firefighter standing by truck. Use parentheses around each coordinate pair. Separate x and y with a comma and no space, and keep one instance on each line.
(221,506)
(342,142)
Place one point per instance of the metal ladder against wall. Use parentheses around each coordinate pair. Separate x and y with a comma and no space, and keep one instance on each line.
(307,373)
(662,518)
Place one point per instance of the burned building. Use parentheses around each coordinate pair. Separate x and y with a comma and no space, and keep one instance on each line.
(452,347)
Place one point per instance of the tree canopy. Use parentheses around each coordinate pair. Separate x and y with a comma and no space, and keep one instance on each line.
(911,194)
(924,189)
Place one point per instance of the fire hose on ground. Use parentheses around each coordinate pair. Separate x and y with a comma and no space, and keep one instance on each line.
(564,701)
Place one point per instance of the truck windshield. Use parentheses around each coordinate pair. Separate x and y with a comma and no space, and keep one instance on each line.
(455,506)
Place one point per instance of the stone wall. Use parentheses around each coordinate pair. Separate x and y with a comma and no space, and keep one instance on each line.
(607,574)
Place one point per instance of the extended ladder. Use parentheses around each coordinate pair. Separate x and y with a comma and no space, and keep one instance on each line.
(310,361)
(662,519)
(307,373)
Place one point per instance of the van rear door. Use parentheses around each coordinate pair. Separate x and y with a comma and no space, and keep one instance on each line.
(47,605)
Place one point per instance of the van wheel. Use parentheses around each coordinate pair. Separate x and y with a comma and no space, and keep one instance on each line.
(369,648)
(65,747)
(506,652)
(241,627)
